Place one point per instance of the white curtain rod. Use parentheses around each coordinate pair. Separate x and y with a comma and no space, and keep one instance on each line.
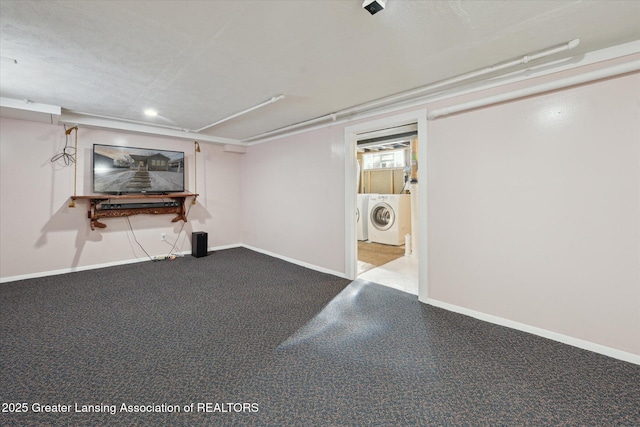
(538,89)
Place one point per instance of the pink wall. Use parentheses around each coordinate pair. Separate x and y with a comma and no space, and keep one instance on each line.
(293,198)
(533,208)
(534,212)
(41,234)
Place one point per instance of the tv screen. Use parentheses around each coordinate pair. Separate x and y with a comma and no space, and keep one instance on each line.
(123,170)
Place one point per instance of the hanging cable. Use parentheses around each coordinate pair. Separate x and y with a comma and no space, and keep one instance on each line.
(134,238)
(178,237)
(171,255)
(68,154)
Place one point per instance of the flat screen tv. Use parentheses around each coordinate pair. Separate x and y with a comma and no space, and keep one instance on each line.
(129,170)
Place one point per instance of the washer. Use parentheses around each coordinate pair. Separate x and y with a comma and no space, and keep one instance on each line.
(362,213)
(389,218)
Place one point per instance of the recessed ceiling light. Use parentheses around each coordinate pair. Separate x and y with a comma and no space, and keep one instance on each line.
(150,112)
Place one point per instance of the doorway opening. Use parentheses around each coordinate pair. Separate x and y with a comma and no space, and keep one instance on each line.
(383,190)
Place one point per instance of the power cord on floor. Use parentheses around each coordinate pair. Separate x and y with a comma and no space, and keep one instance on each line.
(134,238)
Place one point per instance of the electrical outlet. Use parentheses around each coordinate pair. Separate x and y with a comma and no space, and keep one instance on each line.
(163,236)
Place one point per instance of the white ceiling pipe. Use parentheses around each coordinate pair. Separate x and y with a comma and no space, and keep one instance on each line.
(148,129)
(293,126)
(233,116)
(415,92)
(100,116)
(117,119)
(503,65)
(538,89)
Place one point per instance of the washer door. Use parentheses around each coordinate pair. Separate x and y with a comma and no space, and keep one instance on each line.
(382,216)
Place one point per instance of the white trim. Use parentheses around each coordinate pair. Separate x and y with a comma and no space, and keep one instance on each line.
(423,218)
(223,247)
(351,242)
(296,261)
(133,261)
(565,339)
(350,204)
(103,265)
(26,105)
(70,270)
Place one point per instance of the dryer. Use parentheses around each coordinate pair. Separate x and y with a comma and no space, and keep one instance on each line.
(389,218)
(362,213)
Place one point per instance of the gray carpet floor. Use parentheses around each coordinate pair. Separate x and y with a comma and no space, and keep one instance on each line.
(240,338)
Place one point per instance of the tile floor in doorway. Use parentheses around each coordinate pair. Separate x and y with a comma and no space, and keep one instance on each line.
(401,273)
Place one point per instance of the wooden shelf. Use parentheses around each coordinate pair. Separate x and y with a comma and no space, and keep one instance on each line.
(96,212)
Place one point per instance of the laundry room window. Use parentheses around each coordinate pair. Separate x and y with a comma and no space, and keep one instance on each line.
(384,159)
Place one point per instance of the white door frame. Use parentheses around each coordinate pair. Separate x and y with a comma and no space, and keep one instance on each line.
(351,240)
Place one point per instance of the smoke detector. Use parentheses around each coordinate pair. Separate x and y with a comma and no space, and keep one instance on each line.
(373,6)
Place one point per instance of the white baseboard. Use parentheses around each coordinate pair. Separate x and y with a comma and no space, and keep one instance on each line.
(223,247)
(135,260)
(69,270)
(565,339)
(298,262)
(103,265)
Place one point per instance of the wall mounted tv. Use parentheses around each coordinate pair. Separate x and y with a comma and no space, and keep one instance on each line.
(128,170)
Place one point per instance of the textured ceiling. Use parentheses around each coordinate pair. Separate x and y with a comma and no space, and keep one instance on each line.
(197,62)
